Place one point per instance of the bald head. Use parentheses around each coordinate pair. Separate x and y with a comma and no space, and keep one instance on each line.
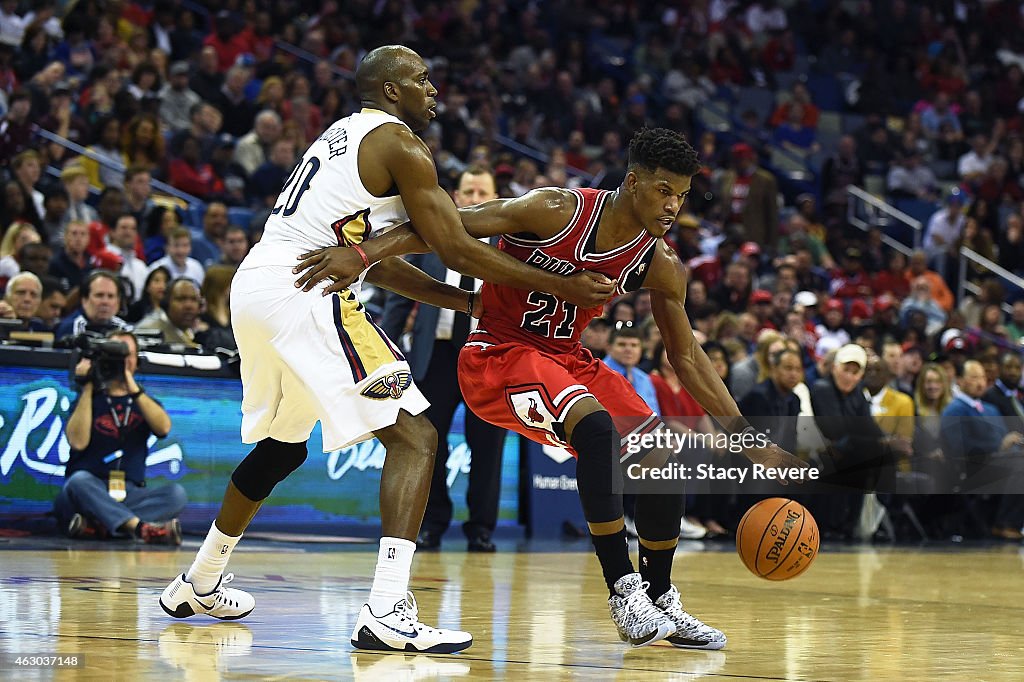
(394,79)
(388,63)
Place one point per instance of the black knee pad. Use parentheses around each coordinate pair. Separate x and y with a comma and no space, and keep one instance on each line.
(657,516)
(269,463)
(598,477)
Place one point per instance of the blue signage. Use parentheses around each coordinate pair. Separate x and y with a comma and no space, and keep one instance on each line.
(203,449)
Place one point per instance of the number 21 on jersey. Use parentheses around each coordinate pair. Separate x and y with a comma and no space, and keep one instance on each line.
(538,320)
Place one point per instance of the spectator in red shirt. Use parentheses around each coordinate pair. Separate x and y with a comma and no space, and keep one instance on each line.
(893,280)
(229,39)
(191,174)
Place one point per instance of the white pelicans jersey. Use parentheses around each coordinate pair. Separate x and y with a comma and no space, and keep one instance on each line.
(324,203)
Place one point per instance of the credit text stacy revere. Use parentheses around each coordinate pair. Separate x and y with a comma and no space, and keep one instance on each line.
(712,472)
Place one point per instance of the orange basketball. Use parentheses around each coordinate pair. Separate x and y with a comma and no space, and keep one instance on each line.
(777,539)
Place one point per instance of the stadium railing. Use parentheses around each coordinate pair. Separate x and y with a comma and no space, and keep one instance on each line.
(157,185)
(864,210)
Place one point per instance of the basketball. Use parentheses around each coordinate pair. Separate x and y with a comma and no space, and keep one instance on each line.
(777,539)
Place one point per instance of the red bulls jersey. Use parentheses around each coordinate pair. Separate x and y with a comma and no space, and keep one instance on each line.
(542,319)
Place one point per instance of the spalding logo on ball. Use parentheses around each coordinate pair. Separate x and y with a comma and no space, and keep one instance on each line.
(777,539)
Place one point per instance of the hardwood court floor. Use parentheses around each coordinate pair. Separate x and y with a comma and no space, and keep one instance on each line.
(868,614)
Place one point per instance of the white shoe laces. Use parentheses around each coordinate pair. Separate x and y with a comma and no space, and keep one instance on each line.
(638,597)
(221,597)
(407,611)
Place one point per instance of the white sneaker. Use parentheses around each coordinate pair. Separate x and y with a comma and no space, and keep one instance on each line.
(401,630)
(635,616)
(690,633)
(181,601)
(691,531)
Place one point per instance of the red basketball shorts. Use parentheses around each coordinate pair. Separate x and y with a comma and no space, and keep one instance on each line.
(518,387)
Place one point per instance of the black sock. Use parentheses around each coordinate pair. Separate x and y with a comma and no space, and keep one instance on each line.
(656,568)
(613,553)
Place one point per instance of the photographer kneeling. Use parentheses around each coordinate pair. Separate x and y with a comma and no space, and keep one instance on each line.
(107,431)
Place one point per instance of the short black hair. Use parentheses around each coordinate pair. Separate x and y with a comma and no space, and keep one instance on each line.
(625,332)
(654,148)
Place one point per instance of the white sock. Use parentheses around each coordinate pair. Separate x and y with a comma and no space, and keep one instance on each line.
(391,579)
(211,560)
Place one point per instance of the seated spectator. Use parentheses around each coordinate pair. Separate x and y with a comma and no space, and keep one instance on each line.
(852,281)
(1005,394)
(18,235)
(797,235)
(921,301)
(792,135)
(624,354)
(138,194)
(908,178)
(143,144)
(101,300)
(163,220)
(893,410)
(21,301)
(253,148)
(176,320)
(177,99)
(831,333)
(51,306)
(972,166)
(105,495)
(973,433)
(747,373)
(123,240)
(106,145)
(55,212)
(266,182)
(76,182)
(771,406)
(214,328)
(859,450)
(800,97)
(893,280)
(938,113)
(191,174)
(71,263)
(177,260)
(206,243)
(1015,327)
(236,246)
(937,287)
(152,297)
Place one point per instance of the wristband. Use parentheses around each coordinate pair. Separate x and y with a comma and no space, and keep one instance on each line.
(362,254)
(469,311)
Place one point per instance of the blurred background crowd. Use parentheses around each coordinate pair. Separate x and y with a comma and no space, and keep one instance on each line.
(150,140)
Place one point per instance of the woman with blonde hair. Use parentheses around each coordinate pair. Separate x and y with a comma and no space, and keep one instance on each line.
(214,330)
(933,391)
(271,94)
(18,234)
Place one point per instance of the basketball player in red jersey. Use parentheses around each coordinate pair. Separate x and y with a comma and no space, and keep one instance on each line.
(524,368)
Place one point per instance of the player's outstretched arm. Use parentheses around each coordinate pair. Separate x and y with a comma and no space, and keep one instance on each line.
(667,281)
(433,213)
(405,279)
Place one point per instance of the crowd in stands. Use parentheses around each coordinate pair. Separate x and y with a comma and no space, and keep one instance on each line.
(218,103)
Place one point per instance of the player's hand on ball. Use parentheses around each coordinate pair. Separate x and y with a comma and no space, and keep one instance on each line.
(774,457)
(341,264)
(587,289)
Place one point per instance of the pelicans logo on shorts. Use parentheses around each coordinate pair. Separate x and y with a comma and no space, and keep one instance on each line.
(388,386)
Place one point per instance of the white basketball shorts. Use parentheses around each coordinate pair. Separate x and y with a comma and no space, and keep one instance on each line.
(308,358)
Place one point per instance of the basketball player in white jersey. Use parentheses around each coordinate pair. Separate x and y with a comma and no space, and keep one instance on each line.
(308,357)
